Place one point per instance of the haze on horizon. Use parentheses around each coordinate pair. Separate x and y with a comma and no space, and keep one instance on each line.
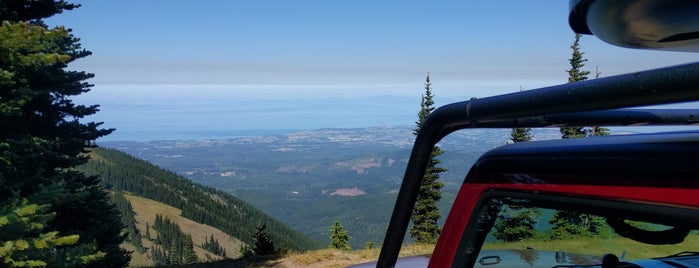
(181,66)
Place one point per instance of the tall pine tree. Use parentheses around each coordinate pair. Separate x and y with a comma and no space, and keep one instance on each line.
(188,254)
(575,74)
(565,224)
(263,243)
(426,213)
(571,224)
(42,137)
(339,237)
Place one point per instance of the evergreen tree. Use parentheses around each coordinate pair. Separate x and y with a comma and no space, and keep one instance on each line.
(599,131)
(577,62)
(426,213)
(173,255)
(158,221)
(188,254)
(213,246)
(575,74)
(148,231)
(42,137)
(245,251)
(263,244)
(128,218)
(568,225)
(339,237)
(159,257)
(516,224)
(162,257)
(520,135)
(180,247)
(24,241)
(599,227)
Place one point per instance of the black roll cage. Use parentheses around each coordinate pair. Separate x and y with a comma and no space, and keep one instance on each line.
(597,102)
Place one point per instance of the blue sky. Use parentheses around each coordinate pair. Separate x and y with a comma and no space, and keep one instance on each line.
(333,48)
(336,42)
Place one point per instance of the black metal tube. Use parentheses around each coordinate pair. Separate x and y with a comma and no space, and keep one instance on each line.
(659,86)
(619,117)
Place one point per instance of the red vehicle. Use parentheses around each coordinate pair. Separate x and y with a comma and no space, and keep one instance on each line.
(612,201)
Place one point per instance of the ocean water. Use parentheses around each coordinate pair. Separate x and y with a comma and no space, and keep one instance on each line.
(186,112)
(140,116)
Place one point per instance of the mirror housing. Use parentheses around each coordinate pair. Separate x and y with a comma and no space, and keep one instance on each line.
(646,24)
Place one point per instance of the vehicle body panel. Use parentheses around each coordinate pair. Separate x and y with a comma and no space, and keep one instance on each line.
(510,168)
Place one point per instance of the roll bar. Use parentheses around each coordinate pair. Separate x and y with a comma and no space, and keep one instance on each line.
(596,102)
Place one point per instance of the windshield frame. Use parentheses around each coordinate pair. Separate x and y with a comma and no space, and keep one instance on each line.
(480,223)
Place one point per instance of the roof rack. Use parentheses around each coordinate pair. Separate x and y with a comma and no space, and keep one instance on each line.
(596,102)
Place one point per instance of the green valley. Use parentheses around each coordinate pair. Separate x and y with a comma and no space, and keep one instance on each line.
(308,179)
(152,191)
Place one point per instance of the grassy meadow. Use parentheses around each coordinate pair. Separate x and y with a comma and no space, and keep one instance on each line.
(601,246)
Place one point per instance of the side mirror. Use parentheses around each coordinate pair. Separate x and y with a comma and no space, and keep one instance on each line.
(646,24)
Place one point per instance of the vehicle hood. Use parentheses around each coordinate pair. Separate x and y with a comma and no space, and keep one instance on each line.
(419,261)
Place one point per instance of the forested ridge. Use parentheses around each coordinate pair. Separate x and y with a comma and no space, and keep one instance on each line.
(122,172)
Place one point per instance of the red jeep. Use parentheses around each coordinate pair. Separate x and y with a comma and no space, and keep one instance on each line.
(612,201)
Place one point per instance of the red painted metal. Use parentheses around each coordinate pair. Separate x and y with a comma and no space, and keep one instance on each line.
(466,200)
(454,227)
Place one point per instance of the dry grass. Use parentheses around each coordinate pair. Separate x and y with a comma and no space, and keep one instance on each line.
(146,209)
(329,258)
(340,258)
(315,259)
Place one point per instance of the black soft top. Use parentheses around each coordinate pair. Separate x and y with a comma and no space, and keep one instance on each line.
(658,159)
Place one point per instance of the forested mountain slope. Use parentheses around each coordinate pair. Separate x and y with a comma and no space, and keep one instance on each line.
(155,241)
(120,171)
(311,178)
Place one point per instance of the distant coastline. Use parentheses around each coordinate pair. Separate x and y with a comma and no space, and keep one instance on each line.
(175,134)
(184,134)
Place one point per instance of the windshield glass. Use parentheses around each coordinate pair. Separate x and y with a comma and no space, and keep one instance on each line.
(541,231)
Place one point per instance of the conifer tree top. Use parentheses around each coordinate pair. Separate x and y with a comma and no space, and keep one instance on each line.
(577,62)
(26,10)
(426,105)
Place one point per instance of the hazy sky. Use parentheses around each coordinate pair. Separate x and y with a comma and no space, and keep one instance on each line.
(469,47)
(158,62)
